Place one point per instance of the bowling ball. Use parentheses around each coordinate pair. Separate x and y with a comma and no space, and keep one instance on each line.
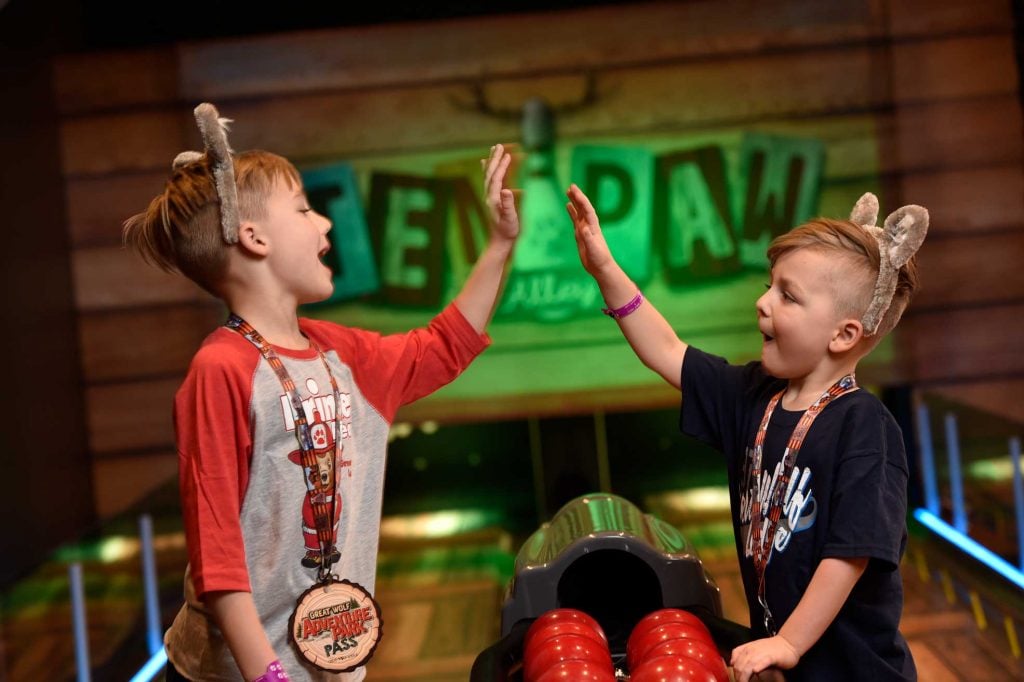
(642,641)
(561,627)
(662,616)
(671,669)
(696,649)
(564,648)
(557,615)
(577,671)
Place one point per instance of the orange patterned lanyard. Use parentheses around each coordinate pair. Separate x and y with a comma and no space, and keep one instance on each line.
(323,512)
(763,531)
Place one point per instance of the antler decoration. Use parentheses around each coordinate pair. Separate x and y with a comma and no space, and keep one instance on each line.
(898,240)
(213,129)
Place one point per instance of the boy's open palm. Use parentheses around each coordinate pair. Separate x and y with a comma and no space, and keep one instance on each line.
(594,252)
(501,203)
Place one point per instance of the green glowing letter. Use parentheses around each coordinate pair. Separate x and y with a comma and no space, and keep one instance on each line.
(694,224)
(618,181)
(407,217)
(782,176)
(332,191)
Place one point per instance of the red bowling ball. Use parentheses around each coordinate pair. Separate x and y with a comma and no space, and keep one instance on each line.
(671,669)
(559,615)
(577,671)
(697,649)
(662,616)
(641,642)
(561,627)
(564,648)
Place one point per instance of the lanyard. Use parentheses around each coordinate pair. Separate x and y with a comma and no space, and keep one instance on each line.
(762,542)
(323,512)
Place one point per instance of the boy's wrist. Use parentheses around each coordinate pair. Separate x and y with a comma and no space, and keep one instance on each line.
(500,245)
(275,673)
(789,643)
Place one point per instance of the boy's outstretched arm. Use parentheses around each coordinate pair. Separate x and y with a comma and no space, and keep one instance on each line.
(650,335)
(479,295)
(827,592)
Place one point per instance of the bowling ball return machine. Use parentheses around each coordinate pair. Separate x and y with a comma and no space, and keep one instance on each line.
(604,556)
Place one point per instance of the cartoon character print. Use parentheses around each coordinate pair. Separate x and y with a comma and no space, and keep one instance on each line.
(321,478)
(799,508)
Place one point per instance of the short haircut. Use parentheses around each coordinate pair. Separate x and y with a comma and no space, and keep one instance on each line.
(857,265)
(181,229)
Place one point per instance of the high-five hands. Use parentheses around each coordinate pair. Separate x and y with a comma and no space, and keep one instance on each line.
(594,252)
(501,204)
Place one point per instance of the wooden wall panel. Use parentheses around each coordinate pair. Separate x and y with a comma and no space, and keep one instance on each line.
(1002,397)
(971,199)
(114,80)
(389,56)
(114,277)
(131,416)
(123,481)
(659,97)
(920,95)
(983,342)
(971,269)
(955,135)
(98,206)
(144,342)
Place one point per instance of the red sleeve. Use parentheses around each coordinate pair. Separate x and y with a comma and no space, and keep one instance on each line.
(397,369)
(211,421)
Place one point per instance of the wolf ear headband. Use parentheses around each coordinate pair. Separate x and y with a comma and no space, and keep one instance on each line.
(898,240)
(213,128)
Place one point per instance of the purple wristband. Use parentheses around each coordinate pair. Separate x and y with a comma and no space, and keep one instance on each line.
(275,673)
(619,313)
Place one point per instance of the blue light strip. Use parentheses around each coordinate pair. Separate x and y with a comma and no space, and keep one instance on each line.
(982,554)
(152,667)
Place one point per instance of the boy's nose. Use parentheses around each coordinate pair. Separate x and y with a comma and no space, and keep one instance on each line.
(762,305)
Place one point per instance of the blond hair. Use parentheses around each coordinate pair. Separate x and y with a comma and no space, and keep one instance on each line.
(852,285)
(181,229)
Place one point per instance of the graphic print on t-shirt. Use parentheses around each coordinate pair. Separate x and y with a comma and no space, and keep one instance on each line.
(320,412)
(799,508)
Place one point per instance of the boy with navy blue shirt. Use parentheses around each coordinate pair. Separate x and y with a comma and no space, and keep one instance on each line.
(817,467)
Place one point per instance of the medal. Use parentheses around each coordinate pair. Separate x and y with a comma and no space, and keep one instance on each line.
(336,625)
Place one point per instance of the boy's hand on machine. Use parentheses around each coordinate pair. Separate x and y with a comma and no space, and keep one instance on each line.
(594,252)
(751,661)
(501,203)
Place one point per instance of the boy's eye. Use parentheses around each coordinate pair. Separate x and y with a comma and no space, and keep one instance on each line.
(785,295)
(767,285)
(305,210)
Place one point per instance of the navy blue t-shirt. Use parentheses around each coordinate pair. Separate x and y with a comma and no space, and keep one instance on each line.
(846,498)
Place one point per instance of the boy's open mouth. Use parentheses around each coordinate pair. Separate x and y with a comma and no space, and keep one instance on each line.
(767,338)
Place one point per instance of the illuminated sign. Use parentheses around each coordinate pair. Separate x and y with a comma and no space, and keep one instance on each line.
(684,216)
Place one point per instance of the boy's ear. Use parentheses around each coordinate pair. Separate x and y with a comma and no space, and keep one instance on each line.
(251,238)
(848,334)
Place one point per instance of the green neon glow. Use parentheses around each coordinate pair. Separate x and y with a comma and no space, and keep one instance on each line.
(549,338)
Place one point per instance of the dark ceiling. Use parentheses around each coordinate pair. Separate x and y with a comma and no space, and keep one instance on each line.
(87,25)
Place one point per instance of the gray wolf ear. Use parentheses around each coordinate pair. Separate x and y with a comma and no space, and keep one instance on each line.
(904,232)
(865,211)
(213,128)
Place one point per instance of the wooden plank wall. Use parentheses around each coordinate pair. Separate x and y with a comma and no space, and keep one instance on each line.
(922,93)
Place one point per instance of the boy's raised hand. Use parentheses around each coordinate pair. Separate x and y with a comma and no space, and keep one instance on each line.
(594,252)
(501,203)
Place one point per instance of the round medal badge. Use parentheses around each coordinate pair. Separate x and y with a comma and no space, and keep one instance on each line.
(336,625)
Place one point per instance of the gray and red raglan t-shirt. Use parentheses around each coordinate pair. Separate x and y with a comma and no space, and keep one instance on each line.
(242,489)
